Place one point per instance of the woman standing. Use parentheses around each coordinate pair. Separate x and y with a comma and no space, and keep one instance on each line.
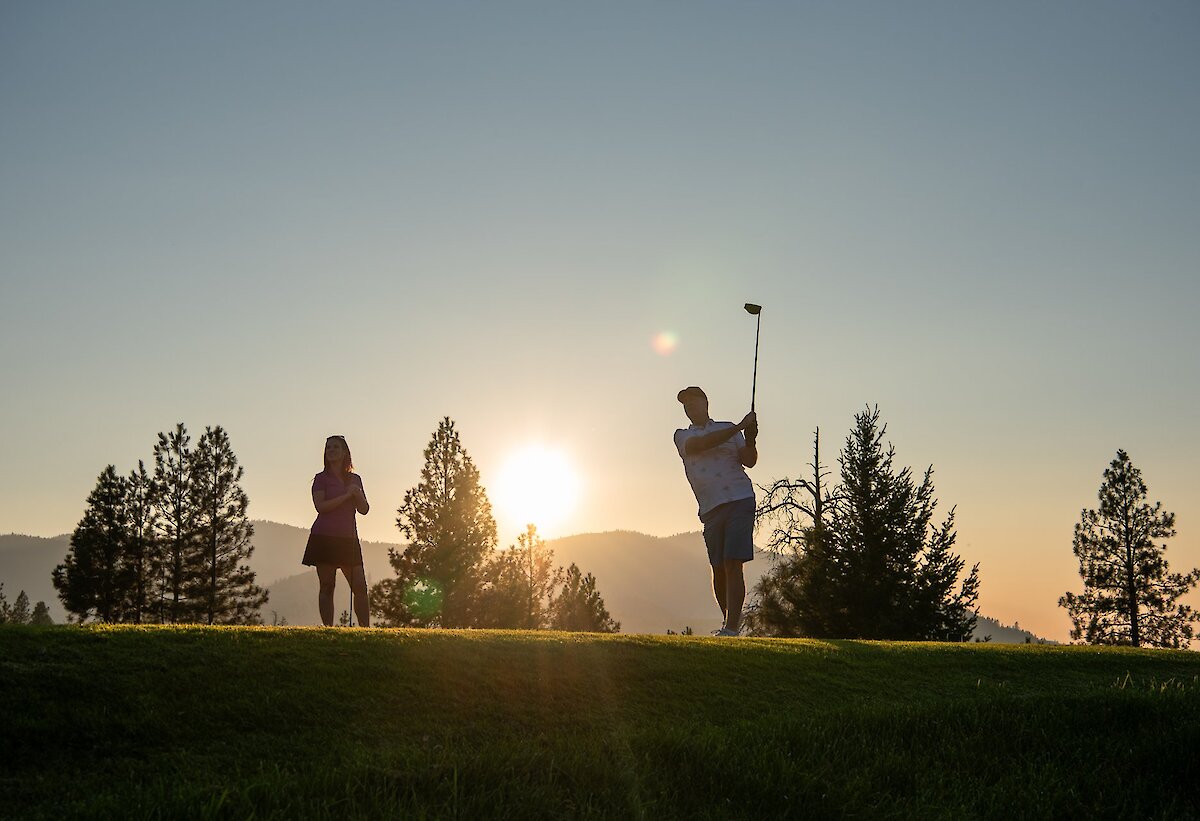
(333,543)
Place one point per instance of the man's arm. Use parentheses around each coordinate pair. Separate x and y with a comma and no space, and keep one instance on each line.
(748,455)
(707,441)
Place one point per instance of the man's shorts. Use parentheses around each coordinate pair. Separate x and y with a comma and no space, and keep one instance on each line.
(729,532)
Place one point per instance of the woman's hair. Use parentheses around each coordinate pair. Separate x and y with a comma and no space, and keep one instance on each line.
(348,462)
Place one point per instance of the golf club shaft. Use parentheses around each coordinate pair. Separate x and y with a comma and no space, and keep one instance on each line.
(754,382)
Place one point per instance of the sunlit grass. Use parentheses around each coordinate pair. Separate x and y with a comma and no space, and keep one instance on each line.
(157,722)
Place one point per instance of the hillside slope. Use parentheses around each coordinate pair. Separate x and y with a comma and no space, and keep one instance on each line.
(126,722)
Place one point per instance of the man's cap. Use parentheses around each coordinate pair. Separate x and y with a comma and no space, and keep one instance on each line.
(693,390)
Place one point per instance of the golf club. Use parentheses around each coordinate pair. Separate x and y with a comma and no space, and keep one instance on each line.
(755,310)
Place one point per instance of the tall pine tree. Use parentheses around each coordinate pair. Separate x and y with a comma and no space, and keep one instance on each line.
(182,565)
(141,544)
(94,579)
(865,560)
(448,522)
(224,592)
(894,569)
(1129,595)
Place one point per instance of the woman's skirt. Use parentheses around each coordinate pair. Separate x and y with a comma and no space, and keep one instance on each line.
(342,551)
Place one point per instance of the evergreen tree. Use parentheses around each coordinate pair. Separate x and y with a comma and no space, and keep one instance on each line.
(797,596)
(41,615)
(182,565)
(518,585)
(1129,596)
(894,570)
(5,609)
(225,592)
(865,560)
(20,610)
(448,522)
(578,606)
(94,579)
(142,545)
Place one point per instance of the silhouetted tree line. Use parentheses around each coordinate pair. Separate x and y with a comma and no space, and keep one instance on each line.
(864,558)
(19,613)
(1129,596)
(451,575)
(168,546)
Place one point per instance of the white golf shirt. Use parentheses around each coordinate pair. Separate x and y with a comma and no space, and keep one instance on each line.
(716,475)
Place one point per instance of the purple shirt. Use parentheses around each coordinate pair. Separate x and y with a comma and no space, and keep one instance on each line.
(340,520)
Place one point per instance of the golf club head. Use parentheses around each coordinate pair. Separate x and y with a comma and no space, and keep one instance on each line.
(753,309)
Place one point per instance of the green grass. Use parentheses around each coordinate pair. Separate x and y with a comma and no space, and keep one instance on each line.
(123,722)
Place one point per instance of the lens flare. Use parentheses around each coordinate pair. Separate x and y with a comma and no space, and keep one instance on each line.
(665,343)
(423,598)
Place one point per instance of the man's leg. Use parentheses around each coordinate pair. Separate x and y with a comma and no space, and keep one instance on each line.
(714,541)
(735,593)
(739,548)
(718,572)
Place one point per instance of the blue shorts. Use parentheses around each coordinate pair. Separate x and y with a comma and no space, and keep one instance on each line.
(729,532)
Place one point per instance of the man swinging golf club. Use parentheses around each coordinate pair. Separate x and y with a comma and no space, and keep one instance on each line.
(715,455)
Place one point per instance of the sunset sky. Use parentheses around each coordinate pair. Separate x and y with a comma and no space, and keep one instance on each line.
(542,220)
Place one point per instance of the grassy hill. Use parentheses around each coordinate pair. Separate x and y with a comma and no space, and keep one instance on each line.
(125,722)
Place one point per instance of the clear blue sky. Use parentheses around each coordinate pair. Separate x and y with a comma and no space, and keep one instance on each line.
(299,219)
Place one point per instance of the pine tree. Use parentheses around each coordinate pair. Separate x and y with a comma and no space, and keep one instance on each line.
(20,609)
(877,567)
(182,554)
(894,569)
(225,592)
(142,545)
(5,609)
(94,579)
(448,522)
(1129,596)
(578,606)
(518,585)
(796,597)
(41,615)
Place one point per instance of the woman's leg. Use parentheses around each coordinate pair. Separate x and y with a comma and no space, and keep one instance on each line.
(327,575)
(357,577)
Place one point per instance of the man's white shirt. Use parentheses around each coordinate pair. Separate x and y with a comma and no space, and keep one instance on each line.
(716,475)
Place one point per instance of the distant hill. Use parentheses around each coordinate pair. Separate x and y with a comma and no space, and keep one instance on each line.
(1003,634)
(650,584)
(26,563)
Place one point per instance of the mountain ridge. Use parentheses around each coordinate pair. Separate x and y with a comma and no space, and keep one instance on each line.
(650,584)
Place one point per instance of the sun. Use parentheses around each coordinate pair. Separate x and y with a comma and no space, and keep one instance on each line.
(537,485)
